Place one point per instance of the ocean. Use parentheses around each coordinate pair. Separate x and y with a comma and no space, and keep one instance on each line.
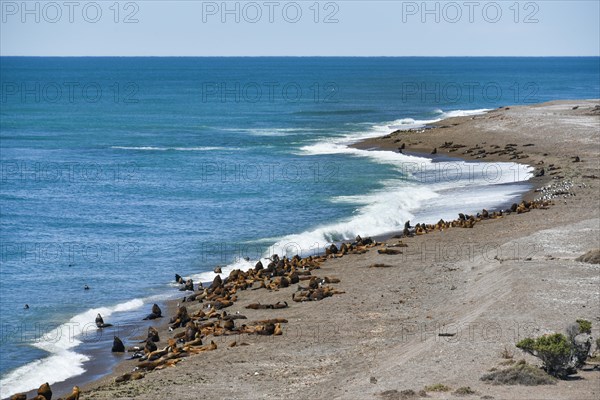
(118,173)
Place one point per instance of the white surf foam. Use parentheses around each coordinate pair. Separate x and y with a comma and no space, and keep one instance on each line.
(429,190)
(155,148)
(62,362)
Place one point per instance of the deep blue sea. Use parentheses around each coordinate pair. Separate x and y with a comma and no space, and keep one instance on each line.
(118,173)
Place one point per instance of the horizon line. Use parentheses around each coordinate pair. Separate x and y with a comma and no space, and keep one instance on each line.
(301,56)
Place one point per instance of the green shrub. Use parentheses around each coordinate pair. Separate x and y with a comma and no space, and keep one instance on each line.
(438,387)
(585,326)
(464,391)
(554,350)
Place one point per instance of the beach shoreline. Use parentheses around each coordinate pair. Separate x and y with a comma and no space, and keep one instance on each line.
(375,336)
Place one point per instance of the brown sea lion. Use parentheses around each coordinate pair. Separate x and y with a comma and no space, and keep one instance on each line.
(190,331)
(278,331)
(150,346)
(153,334)
(181,318)
(188,286)
(266,329)
(156,312)
(130,376)
(74,394)
(18,396)
(118,346)
(331,249)
(45,391)
(229,325)
(389,251)
(217,282)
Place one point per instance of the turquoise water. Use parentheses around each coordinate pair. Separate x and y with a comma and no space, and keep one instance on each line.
(120,172)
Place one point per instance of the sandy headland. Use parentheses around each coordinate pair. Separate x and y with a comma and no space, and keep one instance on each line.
(416,316)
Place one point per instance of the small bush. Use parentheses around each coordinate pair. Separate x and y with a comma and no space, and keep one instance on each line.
(506,354)
(519,374)
(554,350)
(438,387)
(400,395)
(585,326)
(464,391)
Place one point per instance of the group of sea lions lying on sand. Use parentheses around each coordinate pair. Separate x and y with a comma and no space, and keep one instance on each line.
(45,393)
(281,272)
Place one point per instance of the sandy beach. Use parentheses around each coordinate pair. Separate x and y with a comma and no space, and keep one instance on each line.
(446,307)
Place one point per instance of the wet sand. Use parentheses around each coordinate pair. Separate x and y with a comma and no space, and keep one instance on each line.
(483,288)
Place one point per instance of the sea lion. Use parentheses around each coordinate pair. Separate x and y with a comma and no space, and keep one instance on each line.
(100,322)
(331,249)
(190,331)
(86,287)
(45,391)
(217,282)
(74,395)
(26,307)
(129,377)
(156,312)
(434,151)
(188,286)
(380,266)
(181,318)
(18,396)
(153,334)
(278,331)
(118,346)
(266,329)
(229,324)
(150,346)
(178,279)
(389,251)
(218,270)
(407,228)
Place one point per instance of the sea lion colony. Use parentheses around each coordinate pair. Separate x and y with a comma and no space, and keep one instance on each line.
(211,320)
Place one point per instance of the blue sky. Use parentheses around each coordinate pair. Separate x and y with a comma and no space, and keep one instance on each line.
(300,28)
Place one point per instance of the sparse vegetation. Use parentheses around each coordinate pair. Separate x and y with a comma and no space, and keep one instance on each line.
(585,326)
(562,355)
(519,374)
(438,387)
(464,391)
(506,353)
(406,394)
(554,350)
